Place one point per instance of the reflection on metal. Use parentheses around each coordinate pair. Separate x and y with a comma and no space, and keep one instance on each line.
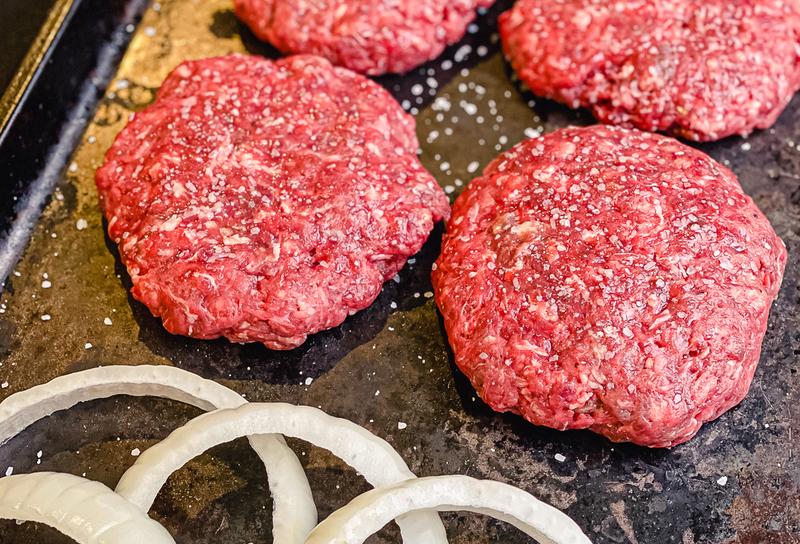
(34,60)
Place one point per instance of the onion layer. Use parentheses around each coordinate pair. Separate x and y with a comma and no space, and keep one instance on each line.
(366,514)
(373,457)
(86,511)
(295,513)
(89,512)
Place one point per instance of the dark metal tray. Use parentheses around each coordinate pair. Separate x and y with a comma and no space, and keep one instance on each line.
(738,481)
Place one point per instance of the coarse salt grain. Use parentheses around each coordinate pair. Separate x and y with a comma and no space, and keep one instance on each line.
(532,133)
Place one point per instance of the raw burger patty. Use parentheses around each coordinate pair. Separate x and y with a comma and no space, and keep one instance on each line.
(369,36)
(608,279)
(264,201)
(700,69)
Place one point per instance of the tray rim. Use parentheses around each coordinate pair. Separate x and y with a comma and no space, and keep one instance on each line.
(31,66)
(50,101)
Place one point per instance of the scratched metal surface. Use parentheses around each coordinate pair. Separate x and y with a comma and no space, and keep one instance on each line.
(67,308)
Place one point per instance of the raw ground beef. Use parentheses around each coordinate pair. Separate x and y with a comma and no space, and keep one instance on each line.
(370,36)
(700,69)
(264,201)
(608,279)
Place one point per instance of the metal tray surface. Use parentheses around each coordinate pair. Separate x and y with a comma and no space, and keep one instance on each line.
(66,307)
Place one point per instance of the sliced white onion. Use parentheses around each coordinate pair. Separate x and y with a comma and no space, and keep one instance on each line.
(295,514)
(86,511)
(369,512)
(373,457)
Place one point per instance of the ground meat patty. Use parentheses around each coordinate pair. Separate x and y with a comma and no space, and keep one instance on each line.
(369,36)
(700,69)
(608,279)
(264,201)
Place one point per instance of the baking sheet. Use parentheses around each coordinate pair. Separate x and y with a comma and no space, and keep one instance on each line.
(67,308)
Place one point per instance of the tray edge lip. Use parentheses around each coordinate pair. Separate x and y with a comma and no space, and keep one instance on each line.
(31,65)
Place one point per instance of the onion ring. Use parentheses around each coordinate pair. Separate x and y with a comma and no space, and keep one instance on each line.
(86,511)
(295,513)
(366,514)
(371,456)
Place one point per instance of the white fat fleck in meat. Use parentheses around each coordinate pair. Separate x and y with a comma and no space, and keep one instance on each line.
(171,224)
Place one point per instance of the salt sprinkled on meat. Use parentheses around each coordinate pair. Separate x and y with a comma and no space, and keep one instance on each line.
(701,69)
(368,36)
(265,201)
(608,279)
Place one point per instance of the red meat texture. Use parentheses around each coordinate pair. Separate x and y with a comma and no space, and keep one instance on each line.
(369,36)
(699,69)
(264,201)
(608,279)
